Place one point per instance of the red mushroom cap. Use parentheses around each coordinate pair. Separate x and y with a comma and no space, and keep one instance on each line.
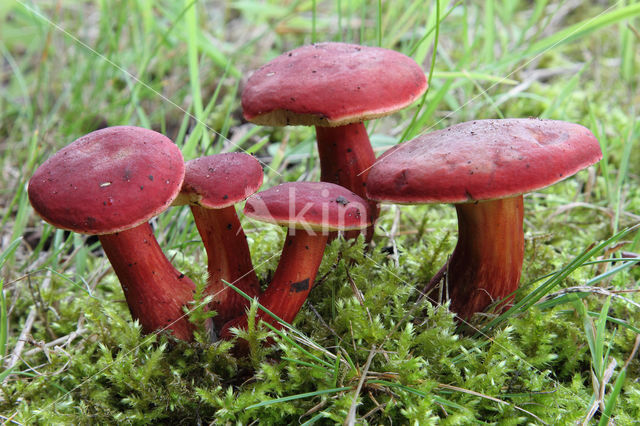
(309,205)
(331,84)
(108,181)
(481,160)
(220,180)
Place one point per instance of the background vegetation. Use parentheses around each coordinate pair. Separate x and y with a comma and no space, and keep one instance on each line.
(367,347)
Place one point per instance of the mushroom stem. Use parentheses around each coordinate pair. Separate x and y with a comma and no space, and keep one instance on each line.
(487,261)
(229,259)
(346,156)
(301,257)
(155,291)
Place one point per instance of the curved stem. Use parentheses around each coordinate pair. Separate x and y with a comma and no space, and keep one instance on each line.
(228,259)
(301,257)
(487,261)
(154,289)
(346,156)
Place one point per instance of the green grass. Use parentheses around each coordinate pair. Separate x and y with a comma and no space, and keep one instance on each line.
(563,354)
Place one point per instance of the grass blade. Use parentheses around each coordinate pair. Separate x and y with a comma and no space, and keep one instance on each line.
(576,31)
(299,396)
(556,279)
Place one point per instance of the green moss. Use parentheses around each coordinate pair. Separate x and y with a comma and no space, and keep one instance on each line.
(426,367)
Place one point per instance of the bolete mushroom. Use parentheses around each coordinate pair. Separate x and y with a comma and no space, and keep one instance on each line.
(483,167)
(110,183)
(212,186)
(310,211)
(335,87)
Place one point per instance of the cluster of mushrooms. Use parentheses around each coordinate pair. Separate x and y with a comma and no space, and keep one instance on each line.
(111,182)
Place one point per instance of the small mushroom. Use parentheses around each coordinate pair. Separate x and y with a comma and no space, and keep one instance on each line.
(110,183)
(335,87)
(310,211)
(483,168)
(212,186)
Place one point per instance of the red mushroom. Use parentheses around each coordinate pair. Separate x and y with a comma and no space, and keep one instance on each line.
(212,186)
(310,210)
(335,87)
(483,167)
(110,183)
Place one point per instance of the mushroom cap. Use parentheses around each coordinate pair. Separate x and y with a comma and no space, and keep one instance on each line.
(482,160)
(331,84)
(220,180)
(309,205)
(108,181)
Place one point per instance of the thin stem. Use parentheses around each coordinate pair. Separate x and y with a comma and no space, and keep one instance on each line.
(296,273)
(155,291)
(346,156)
(301,257)
(229,259)
(487,261)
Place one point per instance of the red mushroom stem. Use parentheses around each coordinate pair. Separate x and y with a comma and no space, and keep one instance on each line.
(487,261)
(346,156)
(229,259)
(301,257)
(155,291)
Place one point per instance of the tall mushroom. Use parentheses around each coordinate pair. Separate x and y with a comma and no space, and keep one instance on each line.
(212,186)
(110,183)
(483,167)
(335,87)
(310,211)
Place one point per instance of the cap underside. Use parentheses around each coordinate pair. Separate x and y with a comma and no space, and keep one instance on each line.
(108,181)
(481,160)
(331,84)
(220,180)
(309,205)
